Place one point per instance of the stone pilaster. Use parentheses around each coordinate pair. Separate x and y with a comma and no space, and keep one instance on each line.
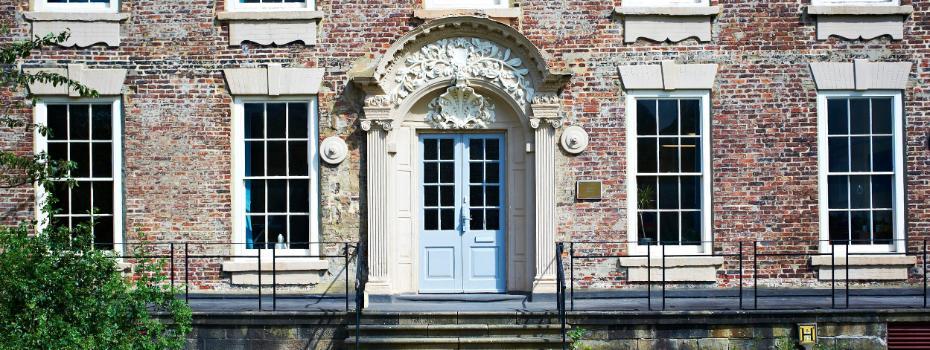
(377,125)
(546,119)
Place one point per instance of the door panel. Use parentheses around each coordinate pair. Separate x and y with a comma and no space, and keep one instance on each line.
(462,235)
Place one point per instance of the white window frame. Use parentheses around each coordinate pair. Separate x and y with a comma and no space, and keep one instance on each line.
(705,248)
(40,144)
(465,4)
(44,6)
(658,3)
(823,163)
(236,6)
(855,2)
(238,177)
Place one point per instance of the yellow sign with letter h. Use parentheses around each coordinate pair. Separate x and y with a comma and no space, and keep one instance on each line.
(807,333)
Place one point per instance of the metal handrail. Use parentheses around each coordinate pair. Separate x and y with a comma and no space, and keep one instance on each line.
(560,290)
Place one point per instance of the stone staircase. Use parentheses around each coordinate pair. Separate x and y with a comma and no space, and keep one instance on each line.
(456,330)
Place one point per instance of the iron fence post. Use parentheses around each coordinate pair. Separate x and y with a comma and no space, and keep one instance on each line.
(259,280)
(847,273)
(274,279)
(925,273)
(345,257)
(755,275)
(171,265)
(649,277)
(663,277)
(187,284)
(740,275)
(571,270)
(832,277)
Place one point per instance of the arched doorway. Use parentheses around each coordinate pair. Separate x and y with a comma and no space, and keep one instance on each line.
(441,94)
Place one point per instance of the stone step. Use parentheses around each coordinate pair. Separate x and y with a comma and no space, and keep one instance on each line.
(455,343)
(457,330)
(427,318)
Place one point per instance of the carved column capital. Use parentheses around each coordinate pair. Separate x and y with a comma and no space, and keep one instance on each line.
(554,123)
(377,124)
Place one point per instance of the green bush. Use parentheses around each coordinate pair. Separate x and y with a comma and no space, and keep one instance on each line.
(56,292)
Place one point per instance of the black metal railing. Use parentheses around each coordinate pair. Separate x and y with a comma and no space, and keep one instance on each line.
(186,252)
(359,297)
(745,263)
(560,291)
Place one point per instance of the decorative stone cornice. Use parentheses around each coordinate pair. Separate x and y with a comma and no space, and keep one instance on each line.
(861,75)
(668,76)
(86,29)
(667,23)
(107,82)
(463,58)
(376,124)
(274,80)
(860,22)
(272,27)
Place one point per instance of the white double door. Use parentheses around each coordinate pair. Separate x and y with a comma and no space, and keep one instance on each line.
(462,213)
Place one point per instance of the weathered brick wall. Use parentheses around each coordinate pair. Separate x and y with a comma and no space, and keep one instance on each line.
(177,112)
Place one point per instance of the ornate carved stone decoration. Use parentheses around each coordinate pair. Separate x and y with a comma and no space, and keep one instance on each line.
(464,58)
(547,99)
(377,101)
(574,139)
(460,107)
(374,124)
(333,150)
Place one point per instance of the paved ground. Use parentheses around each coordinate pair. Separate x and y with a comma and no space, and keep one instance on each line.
(675,300)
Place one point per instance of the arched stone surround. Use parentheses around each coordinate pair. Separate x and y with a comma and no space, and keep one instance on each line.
(506,83)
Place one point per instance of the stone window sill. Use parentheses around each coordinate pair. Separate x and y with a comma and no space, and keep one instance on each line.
(272,27)
(865,267)
(860,22)
(494,13)
(86,28)
(668,10)
(667,23)
(843,10)
(290,272)
(678,269)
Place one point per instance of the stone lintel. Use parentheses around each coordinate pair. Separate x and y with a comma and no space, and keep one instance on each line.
(668,76)
(274,80)
(107,82)
(861,75)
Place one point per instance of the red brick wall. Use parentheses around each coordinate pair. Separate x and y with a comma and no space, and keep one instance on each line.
(177,154)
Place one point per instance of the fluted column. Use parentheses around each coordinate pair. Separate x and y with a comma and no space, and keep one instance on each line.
(545,122)
(378,125)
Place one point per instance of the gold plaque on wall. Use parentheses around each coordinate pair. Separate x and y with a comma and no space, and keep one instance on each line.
(588,189)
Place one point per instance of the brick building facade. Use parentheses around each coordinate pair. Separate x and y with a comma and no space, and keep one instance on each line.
(750,66)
